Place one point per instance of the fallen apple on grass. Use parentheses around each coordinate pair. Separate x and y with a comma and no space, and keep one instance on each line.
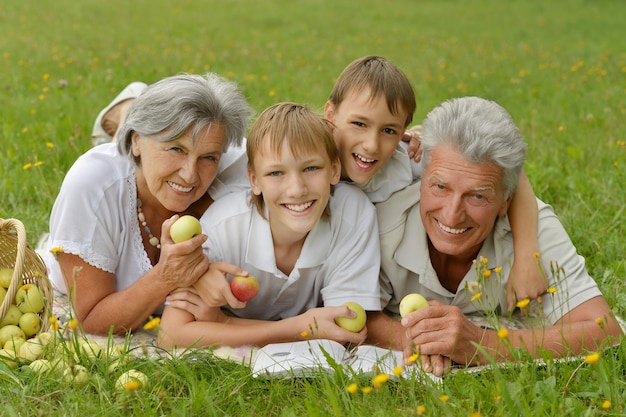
(185,228)
(356,324)
(244,288)
(131,380)
(411,303)
(76,374)
(11,332)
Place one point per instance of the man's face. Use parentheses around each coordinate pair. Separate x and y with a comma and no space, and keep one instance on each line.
(460,201)
(366,133)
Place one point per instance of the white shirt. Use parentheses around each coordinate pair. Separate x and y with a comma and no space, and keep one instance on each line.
(95,213)
(406,267)
(339,262)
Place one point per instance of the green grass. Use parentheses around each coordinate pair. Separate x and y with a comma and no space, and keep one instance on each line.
(558,67)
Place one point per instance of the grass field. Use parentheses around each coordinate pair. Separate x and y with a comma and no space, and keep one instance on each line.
(558,67)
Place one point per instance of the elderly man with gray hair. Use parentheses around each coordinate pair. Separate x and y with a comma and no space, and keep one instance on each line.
(448,238)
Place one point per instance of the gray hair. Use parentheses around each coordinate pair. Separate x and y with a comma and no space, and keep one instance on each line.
(481,130)
(170,107)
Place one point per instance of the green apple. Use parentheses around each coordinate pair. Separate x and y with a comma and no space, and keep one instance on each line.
(3,294)
(29,299)
(11,332)
(30,350)
(244,288)
(9,357)
(185,228)
(6,275)
(12,317)
(30,323)
(46,337)
(356,324)
(412,302)
(90,348)
(41,366)
(131,380)
(14,344)
(76,374)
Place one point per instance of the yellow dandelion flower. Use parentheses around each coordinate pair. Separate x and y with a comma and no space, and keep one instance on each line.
(592,358)
(38,164)
(45,89)
(24,130)
(498,269)
(414,357)
(380,380)
(352,388)
(485,261)
(272,93)
(132,385)
(537,255)
(606,404)
(73,323)
(54,326)
(397,371)
(50,145)
(304,334)
(487,273)
(152,324)
(46,77)
(523,303)
(539,299)
(476,296)
(56,250)
(420,409)
(599,321)
(42,97)
(503,333)
(264,77)
(551,290)
(33,112)
(444,398)
(28,166)
(366,390)
(475,414)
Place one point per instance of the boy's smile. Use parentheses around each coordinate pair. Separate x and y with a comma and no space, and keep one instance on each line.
(366,132)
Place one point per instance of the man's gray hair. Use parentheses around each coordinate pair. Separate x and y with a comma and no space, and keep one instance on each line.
(481,130)
(170,107)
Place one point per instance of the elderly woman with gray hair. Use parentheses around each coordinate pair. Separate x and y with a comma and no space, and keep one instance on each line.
(178,150)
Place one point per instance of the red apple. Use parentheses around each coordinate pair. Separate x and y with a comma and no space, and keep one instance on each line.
(244,288)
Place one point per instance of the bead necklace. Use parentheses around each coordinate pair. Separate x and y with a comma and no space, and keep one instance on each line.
(154,241)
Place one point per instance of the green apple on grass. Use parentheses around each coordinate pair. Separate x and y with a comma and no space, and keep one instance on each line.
(11,332)
(185,228)
(76,374)
(30,350)
(356,324)
(14,344)
(411,303)
(131,380)
(244,288)
(9,357)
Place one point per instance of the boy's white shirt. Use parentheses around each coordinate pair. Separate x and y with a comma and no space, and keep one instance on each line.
(340,259)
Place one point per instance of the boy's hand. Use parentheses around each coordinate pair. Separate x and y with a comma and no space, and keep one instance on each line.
(188,299)
(413,137)
(526,280)
(213,287)
(319,323)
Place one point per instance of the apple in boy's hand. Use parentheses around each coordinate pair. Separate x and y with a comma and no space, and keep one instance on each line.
(356,324)
(412,302)
(244,288)
(185,228)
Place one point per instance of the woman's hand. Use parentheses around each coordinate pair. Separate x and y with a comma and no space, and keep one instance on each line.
(181,264)
(213,287)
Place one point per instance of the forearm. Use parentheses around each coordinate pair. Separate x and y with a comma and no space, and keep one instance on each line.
(523,216)
(179,329)
(384,331)
(127,309)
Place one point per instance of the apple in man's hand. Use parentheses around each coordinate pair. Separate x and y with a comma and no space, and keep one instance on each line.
(412,302)
(244,288)
(185,228)
(356,324)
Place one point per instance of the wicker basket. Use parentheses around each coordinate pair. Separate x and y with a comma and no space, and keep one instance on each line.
(28,268)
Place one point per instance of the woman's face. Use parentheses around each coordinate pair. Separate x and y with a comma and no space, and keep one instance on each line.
(176,174)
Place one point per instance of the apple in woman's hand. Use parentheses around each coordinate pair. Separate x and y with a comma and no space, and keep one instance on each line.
(356,324)
(185,228)
(412,302)
(244,288)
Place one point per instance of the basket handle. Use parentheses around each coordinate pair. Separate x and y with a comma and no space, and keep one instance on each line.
(21,251)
